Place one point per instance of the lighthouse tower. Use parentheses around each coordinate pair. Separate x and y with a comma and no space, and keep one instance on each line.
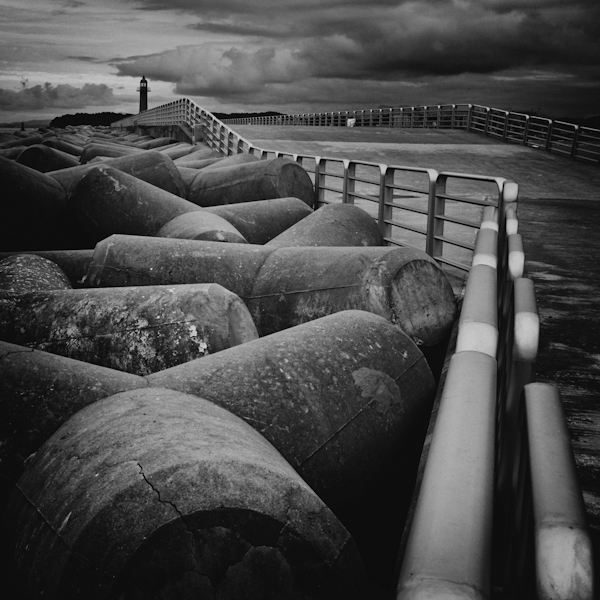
(143,90)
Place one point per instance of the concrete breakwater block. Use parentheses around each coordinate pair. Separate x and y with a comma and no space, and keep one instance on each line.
(345,399)
(95,150)
(258,180)
(284,287)
(157,494)
(332,225)
(154,143)
(33,207)
(28,140)
(39,391)
(263,220)
(135,329)
(73,263)
(202,152)
(201,225)
(235,159)
(127,260)
(43,158)
(151,167)
(404,285)
(59,143)
(31,273)
(107,201)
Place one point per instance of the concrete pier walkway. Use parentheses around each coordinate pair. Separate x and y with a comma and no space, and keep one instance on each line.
(559,217)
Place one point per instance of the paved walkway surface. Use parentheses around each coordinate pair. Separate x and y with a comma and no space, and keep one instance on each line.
(559,217)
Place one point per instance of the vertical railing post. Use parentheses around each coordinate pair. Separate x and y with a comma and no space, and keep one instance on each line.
(575,141)
(386,176)
(526,130)
(437,208)
(319,181)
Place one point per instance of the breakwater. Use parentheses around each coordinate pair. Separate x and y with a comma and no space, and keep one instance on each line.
(209,385)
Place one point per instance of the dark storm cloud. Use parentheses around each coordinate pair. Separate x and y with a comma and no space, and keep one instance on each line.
(287,45)
(44,96)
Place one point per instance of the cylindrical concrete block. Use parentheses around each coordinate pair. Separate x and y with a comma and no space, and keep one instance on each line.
(124,260)
(157,494)
(31,273)
(12,153)
(107,201)
(39,391)
(151,167)
(73,263)
(345,399)
(109,150)
(202,152)
(177,150)
(155,143)
(42,158)
(191,167)
(201,225)
(235,159)
(64,146)
(28,140)
(135,329)
(284,287)
(32,206)
(332,225)
(188,174)
(263,220)
(259,180)
(403,285)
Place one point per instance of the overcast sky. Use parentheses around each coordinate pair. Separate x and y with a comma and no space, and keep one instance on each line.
(59,57)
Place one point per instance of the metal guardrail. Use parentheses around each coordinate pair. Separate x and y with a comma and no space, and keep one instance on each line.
(483,499)
(574,141)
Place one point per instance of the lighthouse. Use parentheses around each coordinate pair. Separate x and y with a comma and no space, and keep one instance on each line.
(143,90)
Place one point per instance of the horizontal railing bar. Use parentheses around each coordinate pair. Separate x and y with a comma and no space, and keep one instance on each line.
(405,226)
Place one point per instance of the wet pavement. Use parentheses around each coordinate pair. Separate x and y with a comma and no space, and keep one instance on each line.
(559,218)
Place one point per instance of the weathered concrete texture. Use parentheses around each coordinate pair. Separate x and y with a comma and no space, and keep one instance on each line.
(135,329)
(201,225)
(32,206)
(284,287)
(403,285)
(31,273)
(38,393)
(43,158)
(123,260)
(156,494)
(234,159)
(321,393)
(259,180)
(159,142)
(73,263)
(332,225)
(201,153)
(263,220)
(29,140)
(95,150)
(150,166)
(59,143)
(107,201)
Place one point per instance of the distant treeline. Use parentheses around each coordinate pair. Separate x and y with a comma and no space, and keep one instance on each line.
(95,119)
(247,115)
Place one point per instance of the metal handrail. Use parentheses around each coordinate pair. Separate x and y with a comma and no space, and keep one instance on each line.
(479,449)
(577,142)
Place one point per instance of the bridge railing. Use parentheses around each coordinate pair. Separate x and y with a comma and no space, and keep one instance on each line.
(482,503)
(574,141)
